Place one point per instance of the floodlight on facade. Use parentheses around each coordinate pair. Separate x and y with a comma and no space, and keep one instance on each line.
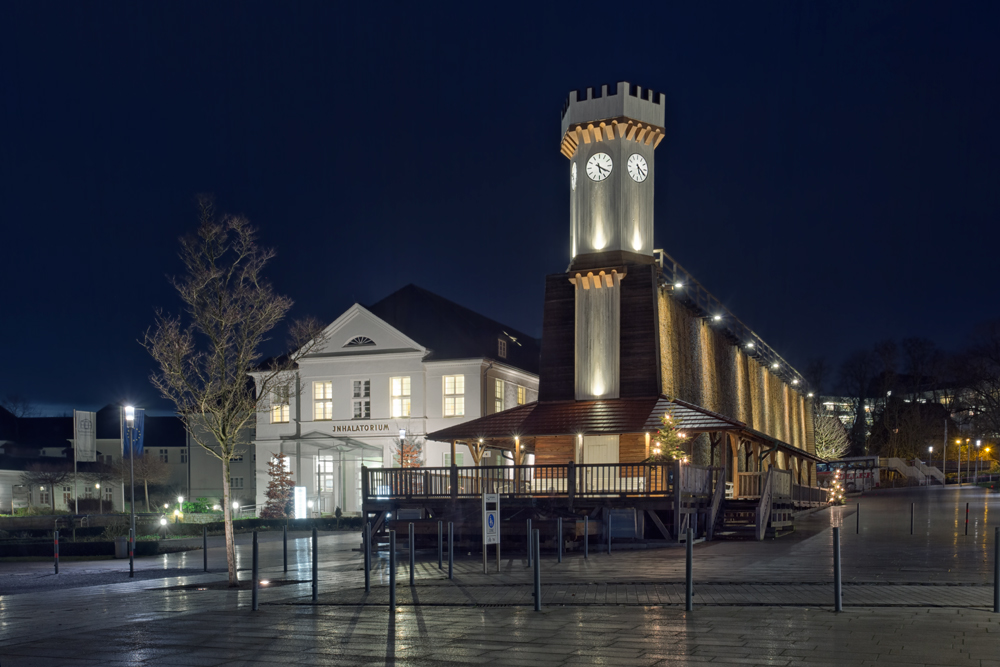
(775,365)
(716,318)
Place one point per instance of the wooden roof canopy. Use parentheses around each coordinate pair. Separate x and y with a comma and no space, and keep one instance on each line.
(607,417)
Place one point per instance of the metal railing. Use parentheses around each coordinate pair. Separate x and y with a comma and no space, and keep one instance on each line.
(568,480)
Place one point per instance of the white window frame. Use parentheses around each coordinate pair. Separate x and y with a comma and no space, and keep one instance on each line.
(501,348)
(280,410)
(453,401)
(236,483)
(498,391)
(184,458)
(399,397)
(165,456)
(323,400)
(459,459)
(361,398)
(522,395)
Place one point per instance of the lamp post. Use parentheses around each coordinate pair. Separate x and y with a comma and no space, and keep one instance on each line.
(100,499)
(930,453)
(979,456)
(958,443)
(129,419)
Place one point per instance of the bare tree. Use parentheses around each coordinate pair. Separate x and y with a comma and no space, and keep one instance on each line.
(831,437)
(856,375)
(205,356)
(979,368)
(19,406)
(46,474)
(105,476)
(148,469)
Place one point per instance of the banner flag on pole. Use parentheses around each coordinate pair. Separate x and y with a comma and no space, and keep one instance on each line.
(138,431)
(85,435)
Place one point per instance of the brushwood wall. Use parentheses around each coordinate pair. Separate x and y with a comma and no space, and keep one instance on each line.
(698,364)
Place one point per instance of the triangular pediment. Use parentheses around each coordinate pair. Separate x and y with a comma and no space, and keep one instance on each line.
(359,332)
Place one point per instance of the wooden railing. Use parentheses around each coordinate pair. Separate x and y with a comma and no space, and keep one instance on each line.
(763,516)
(571,480)
(809,494)
(748,484)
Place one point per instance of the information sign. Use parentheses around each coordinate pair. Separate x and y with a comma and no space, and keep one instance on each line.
(491,518)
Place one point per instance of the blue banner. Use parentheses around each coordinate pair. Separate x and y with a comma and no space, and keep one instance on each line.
(133,433)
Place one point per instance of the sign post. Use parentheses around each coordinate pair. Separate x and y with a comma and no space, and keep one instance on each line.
(491,526)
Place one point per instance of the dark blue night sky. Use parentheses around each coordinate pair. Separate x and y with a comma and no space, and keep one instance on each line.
(830,170)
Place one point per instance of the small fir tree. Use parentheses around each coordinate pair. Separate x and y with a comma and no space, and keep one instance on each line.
(668,443)
(408,452)
(280,489)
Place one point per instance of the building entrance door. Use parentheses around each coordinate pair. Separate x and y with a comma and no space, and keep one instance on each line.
(598,449)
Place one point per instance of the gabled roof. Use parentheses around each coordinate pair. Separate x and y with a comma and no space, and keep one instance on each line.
(452,331)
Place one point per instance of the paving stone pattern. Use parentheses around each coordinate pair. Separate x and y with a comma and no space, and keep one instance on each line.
(914,600)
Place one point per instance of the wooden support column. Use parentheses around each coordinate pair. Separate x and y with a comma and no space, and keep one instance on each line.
(454,473)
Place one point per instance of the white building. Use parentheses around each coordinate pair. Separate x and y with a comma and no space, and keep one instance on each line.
(406,366)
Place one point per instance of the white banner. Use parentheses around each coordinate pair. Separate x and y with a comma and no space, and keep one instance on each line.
(85,435)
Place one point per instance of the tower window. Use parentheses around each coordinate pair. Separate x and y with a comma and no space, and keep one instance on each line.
(502,348)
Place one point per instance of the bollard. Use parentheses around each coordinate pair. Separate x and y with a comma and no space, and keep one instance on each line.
(911,518)
(204,545)
(412,551)
(55,549)
(367,538)
(996,570)
(559,538)
(538,569)
(689,573)
(838,604)
(966,518)
(392,571)
(315,555)
(529,543)
(284,546)
(131,552)
(256,578)
(440,544)
(586,537)
(451,550)
(857,525)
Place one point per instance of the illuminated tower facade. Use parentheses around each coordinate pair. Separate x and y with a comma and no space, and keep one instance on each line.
(588,351)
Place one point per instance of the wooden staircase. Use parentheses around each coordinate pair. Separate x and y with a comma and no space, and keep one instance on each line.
(737,520)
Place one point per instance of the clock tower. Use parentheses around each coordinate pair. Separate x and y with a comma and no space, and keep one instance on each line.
(600,338)
(609,135)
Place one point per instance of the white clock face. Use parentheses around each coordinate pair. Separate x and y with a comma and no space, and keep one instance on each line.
(637,167)
(599,166)
(572,177)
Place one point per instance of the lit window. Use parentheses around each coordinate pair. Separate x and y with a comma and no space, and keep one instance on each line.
(454,395)
(502,348)
(522,395)
(400,394)
(497,395)
(322,401)
(361,394)
(279,405)
(165,455)
(459,459)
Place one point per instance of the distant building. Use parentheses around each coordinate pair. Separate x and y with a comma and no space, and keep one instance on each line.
(410,364)
(25,441)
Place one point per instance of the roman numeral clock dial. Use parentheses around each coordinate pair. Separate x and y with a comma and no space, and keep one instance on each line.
(599,166)
(637,167)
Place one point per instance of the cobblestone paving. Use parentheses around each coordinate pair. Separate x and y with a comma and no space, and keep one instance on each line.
(914,600)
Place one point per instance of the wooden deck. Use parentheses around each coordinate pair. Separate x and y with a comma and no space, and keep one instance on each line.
(661,500)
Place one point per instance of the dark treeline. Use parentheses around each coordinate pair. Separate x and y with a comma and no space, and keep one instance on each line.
(898,397)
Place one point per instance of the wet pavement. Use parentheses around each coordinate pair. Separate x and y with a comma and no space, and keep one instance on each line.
(924,598)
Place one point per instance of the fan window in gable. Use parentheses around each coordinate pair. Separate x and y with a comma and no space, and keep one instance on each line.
(359,341)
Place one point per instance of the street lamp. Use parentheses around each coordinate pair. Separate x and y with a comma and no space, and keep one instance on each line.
(930,452)
(129,421)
